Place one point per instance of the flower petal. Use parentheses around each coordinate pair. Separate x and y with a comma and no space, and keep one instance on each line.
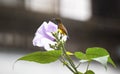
(51,27)
(46,43)
(40,30)
(37,41)
(43,36)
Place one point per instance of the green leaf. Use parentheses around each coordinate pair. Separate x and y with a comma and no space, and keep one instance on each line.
(103,60)
(111,61)
(95,53)
(42,57)
(80,55)
(89,72)
(83,58)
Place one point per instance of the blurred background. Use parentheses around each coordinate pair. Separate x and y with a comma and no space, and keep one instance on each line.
(90,23)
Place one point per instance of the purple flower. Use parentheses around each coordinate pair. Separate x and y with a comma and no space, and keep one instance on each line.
(43,36)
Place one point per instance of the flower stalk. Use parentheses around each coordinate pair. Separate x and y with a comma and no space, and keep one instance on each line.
(69,59)
(65,57)
(88,66)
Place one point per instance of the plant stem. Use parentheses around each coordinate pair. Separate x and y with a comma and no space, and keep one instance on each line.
(78,65)
(88,65)
(64,62)
(64,55)
(68,58)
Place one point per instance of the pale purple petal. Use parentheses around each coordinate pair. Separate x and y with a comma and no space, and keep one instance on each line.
(47,43)
(51,27)
(40,30)
(48,29)
(43,36)
(37,41)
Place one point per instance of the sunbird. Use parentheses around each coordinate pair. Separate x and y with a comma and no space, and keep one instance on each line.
(61,27)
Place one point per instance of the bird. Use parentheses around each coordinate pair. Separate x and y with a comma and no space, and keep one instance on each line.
(62,29)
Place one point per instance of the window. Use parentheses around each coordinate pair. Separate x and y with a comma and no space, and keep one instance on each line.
(44,6)
(76,9)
